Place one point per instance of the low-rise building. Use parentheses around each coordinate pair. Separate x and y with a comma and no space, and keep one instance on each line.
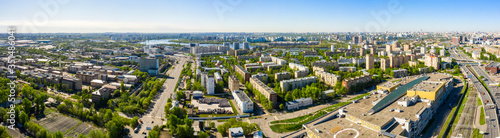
(282,76)
(243,101)
(244,73)
(351,82)
(299,103)
(400,73)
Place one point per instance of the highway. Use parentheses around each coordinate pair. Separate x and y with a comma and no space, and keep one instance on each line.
(492,123)
(155,115)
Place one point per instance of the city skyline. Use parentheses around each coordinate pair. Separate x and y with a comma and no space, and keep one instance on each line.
(250,16)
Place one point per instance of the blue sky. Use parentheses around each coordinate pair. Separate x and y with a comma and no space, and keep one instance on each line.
(88,16)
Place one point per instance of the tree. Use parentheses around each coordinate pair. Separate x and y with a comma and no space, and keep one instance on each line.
(58,134)
(203,135)
(23,118)
(96,134)
(134,122)
(282,106)
(4,133)
(27,106)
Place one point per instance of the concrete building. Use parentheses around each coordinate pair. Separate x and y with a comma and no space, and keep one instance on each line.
(400,73)
(244,73)
(243,101)
(328,78)
(149,65)
(290,85)
(236,45)
(236,132)
(299,103)
(476,55)
(384,63)
(347,69)
(218,77)
(282,76)
(261,76)
(269,93)
(209,49)
(370,59)
(278,61)
(86,76)
(352,82)
(423,50)
(332,48)
(432,61)
(325,64)
(388,48)
(210,86)
(362,52)
(302,70)
(103,93)
(492,68)
(246,45)
(233,83)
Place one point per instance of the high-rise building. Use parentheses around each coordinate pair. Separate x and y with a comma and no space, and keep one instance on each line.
(236,45)
(384,63)
(422,50)
(370,61)
(388,48)
(395,45)
(332,47)
(373,50)
(233,83)
(407,48)
(362,52)
(246,45)
(149,65)
(455,40)
(432,60)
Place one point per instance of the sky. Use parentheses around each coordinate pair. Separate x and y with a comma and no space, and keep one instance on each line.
(155,16)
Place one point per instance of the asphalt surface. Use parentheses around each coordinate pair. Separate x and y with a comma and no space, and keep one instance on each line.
(492,123)
(444,110)
(155,115)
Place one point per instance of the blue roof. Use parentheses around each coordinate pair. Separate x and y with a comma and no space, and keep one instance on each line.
(394,95)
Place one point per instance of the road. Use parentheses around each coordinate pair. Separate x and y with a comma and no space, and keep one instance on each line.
(492,124)
(444,110)
(155,115)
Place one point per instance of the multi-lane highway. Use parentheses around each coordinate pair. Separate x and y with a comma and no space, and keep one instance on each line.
(155,115)
(492,129)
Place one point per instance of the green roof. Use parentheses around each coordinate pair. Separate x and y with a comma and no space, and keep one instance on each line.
(394,95)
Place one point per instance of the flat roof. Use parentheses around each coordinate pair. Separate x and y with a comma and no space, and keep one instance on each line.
(343,123)
(382,117)
(396,94)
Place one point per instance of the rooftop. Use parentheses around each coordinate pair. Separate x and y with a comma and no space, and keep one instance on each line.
(243,97)
(394,95)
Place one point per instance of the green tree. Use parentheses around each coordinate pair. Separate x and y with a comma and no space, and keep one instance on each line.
(203,135)
(282,106)
(27,106)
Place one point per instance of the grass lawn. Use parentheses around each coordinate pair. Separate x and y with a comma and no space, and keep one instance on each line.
(280,128)
(479,102)
(476,134)
(234,108)
(482,121)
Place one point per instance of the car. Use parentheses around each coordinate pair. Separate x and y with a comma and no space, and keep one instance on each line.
(144,132)
(152,122)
